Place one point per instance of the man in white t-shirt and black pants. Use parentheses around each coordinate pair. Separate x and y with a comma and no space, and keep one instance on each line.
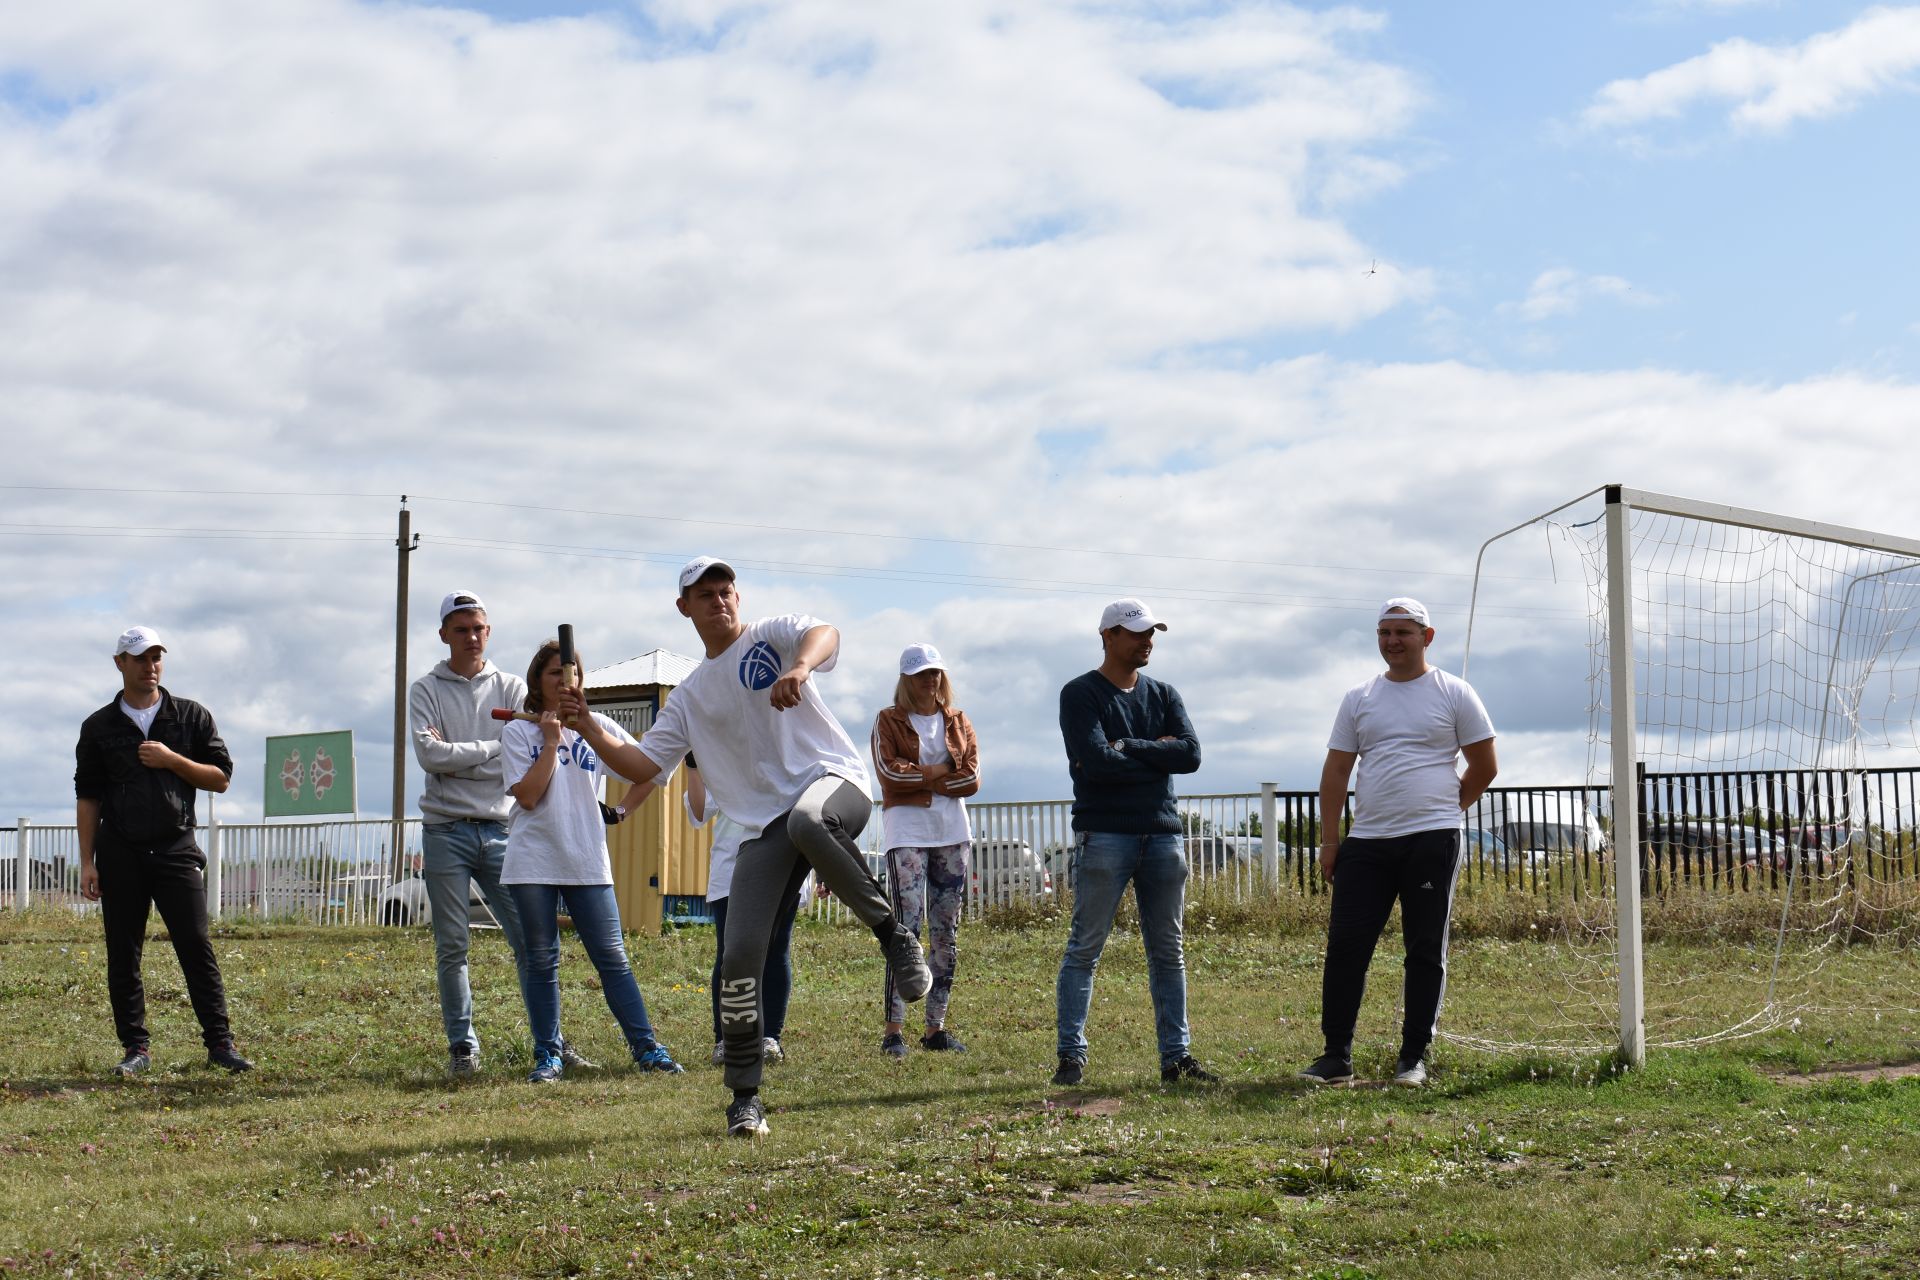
(1404,728)
(775,760)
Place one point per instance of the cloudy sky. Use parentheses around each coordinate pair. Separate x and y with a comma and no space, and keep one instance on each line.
(946,322)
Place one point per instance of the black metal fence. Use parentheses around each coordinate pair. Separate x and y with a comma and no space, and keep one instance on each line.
(1738,830)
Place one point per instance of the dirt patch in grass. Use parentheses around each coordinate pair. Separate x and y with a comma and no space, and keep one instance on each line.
(1114,1193)
(1864,1072)
(1081,1104)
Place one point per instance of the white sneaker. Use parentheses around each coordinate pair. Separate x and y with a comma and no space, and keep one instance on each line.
(1410,1075)
(770,1051)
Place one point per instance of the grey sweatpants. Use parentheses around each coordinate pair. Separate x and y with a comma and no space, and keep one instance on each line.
(819,832)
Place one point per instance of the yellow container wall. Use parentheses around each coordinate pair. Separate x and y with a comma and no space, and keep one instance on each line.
(656,852)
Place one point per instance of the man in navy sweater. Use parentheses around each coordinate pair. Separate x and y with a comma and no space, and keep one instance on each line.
(1126,736)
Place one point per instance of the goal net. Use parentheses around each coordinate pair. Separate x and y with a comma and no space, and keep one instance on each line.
(1753,691)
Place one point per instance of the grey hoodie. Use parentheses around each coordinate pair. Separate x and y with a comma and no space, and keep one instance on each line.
(463,771)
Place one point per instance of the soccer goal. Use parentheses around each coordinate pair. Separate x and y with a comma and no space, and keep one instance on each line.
(1753,684)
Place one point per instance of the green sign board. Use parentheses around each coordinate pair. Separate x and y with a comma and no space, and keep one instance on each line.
(309,774)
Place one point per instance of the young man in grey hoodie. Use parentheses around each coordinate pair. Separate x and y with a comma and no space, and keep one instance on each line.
(466,808)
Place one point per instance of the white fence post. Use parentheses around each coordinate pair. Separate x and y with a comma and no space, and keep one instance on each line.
(213,868)
(1270,835)
(22,866)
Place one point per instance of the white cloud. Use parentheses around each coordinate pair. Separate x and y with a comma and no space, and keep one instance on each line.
(1561,291)
(860,272)
(1770,87)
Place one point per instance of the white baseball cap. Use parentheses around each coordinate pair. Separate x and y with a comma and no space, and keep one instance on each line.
(916,658)
(699,567)
(1405,606)
(137,640)
(1131,614)
(455,601)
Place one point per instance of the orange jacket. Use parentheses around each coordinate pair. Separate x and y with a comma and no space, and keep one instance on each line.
(896,758)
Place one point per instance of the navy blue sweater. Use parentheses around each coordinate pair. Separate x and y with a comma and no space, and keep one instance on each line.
(1129,791)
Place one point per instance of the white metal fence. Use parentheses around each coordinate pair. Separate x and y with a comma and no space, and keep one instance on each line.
(1022,850)
(320,872)
(334,872)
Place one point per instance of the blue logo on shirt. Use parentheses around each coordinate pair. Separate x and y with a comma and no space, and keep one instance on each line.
(760,666)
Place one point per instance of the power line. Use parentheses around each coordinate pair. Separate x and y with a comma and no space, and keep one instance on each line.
(1047,586)
(19,528)
(767,528)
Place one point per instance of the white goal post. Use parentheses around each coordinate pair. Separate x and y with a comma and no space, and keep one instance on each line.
(1621,661)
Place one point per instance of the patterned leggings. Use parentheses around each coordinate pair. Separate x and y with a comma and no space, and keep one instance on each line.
(929,885)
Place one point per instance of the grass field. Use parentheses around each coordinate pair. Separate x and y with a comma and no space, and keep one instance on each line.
(349,1154)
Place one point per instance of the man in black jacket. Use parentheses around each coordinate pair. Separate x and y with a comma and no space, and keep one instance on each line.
(140,761)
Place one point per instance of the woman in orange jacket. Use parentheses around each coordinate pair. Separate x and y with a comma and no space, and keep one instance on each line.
(928,761)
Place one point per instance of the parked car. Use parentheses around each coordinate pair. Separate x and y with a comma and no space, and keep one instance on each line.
(1484,846)
(1006,870)
(1724,844)
(405,902)
(1212,854)
(1542,827)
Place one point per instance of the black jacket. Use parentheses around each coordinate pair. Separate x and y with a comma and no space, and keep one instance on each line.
(143,808)
(1128,791)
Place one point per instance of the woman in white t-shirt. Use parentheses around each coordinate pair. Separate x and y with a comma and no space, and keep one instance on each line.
(557,849)
(928,761)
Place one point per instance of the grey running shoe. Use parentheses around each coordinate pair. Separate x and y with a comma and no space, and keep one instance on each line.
(911,977)
(771,1052)
(942,1041)
(894,1045)
(1328,1068)
(136,1061)
(227,1058)
(1069,1071)
(1410,1075)
(746,1118)
(463,1060)
(573,1060)
(1186,1067)
(719,1058)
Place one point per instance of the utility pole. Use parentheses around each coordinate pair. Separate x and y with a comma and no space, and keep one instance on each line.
(407,542)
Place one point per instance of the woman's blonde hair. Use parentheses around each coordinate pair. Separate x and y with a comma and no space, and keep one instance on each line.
(903,692)
(551,649)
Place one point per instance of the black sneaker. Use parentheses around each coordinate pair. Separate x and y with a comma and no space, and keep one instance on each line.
(1069,1071)
(894,1045)
(227,1058)
(1328,1068)
(136,1061)
(746,1118)
(573,1060)
(941,1041)
(911,977)
(1186,1067)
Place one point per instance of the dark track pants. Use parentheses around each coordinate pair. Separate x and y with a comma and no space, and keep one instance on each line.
(1419,871)
(131,882)
(819,832)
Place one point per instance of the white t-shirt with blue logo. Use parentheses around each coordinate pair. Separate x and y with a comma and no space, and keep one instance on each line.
(563,839)
(756,761)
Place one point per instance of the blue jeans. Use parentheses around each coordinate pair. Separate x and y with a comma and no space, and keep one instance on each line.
(455,854)
(1103,863)
(596,918)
